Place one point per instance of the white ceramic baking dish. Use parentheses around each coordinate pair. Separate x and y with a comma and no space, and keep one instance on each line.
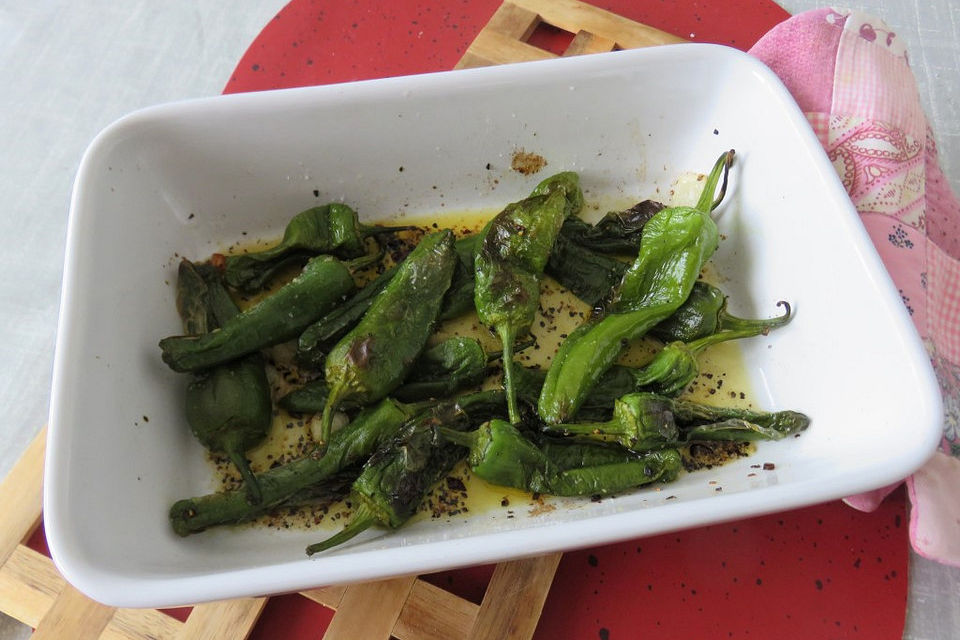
(188,179)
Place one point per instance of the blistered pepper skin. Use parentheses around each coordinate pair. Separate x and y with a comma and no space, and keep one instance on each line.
(282,316)
(513,253)
(676,243)
(332,229)
(376,355)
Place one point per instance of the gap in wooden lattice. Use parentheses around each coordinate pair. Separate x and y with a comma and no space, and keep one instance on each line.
(550,38)
(469,583)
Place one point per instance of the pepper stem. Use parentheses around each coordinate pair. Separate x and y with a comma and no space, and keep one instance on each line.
(586,428)
(734,323)
(708,200)
(254,495)
(463,438)
(506,338)
(364,261)
(376,230)
(741,329)
(363,519)
(523,344)
(326,419)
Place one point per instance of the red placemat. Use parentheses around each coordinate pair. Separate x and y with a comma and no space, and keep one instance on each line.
(821,572)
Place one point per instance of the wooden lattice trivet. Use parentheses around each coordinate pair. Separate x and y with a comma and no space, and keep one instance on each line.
(32,591)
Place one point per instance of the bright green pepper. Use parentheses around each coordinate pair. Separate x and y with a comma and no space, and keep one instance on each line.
(501,455)
(510,261)
(277,318)
(647,421)
(227,406)
(676,243)
(328,229)
(675,366)
(397,478)
(376,355)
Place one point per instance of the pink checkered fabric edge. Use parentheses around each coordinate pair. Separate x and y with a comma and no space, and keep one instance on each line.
(943,301)
(871,64)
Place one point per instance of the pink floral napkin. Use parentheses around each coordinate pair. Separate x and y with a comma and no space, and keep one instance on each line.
(851,76)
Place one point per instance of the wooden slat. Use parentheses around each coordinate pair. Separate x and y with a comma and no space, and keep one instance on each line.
(514,598)
(370,610)
(574,16)
(73,615)
(585,42)
(491,47)
(432,613)
(21,497)
(29,583)
(226,619)
(141,624)
(327,596)
(514,21)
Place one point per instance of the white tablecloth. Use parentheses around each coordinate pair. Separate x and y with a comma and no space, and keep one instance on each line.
(68,69)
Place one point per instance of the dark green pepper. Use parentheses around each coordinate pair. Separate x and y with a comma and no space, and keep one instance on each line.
(376,355)
(705,313)
(349,445)
(589,275)
(445,368)
(501,455)
(513,252)
(459,299)
(227,406)
(647,421)
(568,453)
(397,478)
(275,319)
(328,229)
(318,338)
(441,370)
(676,243)
(617,232)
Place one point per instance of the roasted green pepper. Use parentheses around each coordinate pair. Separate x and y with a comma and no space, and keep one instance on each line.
(459,298)
(441,370)
(376,355)
(445,368)
(589,275)
(675,245)
(318,338)
(647,421)
(513,252)
(348,445)
(617,232)
(705,313)
(227,406)
(277,318)
(501,455)
(397,478)
(675,366)
(328,229)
